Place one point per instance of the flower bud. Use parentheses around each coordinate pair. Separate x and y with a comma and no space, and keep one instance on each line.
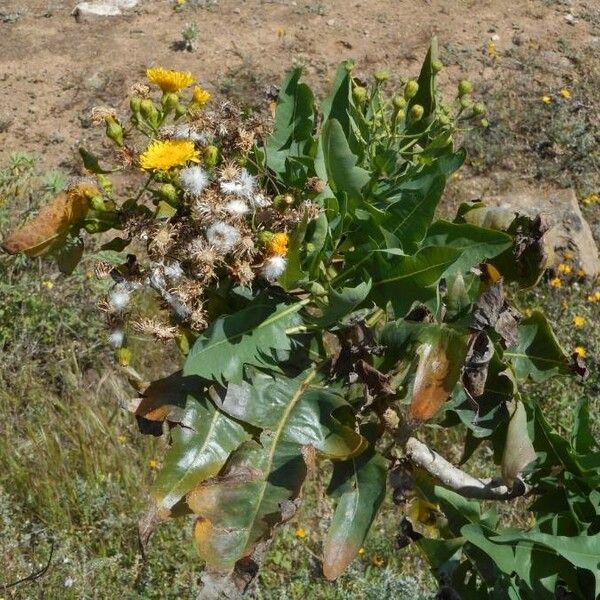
(211,156)
(170,101)
(444,120)
(168,192)
(135,104)
(149,112)
(484,123)
(466,102)
(180,110)
(410,89)
(479,108)
(437,66)
(416,113)
(359,94)
(264,237)
(382,76)
(102,204)
(114,131)
(282,201)
(464,87)
(399,102)
(123,356)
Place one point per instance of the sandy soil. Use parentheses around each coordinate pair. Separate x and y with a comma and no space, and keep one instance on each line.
(53,69)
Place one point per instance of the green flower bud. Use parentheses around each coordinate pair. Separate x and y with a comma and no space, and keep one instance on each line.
(135,103)
(105,182)
(382,76)
(94,227)
(479,108)
(102,204)
(114,131)
(416,113)
(466,102)
(168,192)
(484,123)
(437,66)
(149,112)
(399,102)
(180,110)
(211,156)
(123,356)
(400,116)
(282,201)
(464,87)
(444,120)
(359,94)
(410,89)
(264,237)
(170,101)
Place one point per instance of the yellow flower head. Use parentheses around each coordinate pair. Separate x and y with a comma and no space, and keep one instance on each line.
(591,198)
(278,244)
(566,269)
(361,551)
(565,93)
(169,81)
(153,464)
(580,351)
(300,533)
(378,561)
(166,154)
(597,296)
(48,284)
(546,99)
(200,97)
(556,282)
(568,255)
(579,321)
(122,438)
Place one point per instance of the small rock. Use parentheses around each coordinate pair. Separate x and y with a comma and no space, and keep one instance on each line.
(103,8)
(568,229)
(237,11)
(331,22)
(95,83)
(495,37)
(570,19)
(56,137)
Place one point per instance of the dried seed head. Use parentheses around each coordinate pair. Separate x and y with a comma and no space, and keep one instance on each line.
(155,328)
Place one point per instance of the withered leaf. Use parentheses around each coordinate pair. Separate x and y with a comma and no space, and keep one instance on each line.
(507,325)
(477,363)
(49,228)
(488,307)
(406,535)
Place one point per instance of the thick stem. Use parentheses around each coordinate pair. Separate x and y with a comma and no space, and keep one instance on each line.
(460,482)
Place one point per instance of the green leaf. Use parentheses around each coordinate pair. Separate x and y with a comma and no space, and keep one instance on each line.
(343,302)
(426,94)
(359,484)
(518,449)
(293,272)
(582,439)
(69,255)
(476,244)
(438,551)
(200,446)
(240,507)
(537,354)
(251,336)
(336,163)
(403,280)
(293,123)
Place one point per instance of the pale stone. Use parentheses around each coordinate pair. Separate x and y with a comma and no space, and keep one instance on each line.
(103,8)
(560,209)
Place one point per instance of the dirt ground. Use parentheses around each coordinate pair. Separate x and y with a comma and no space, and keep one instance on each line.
(54,69)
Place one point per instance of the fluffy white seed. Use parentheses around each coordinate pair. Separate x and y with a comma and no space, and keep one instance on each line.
(273,268)
(194,180)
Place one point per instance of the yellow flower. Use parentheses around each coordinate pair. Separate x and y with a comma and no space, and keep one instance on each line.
(562,268)
(581,273)
(122,438)
(200,97)
(361,551)
(591,298)
(581,351)
(300,533)
(597,296)
(568,255)
(164,155)
(565,93)
(169,81)
(591,198)
(278,244)
(492,50)
(556,282)
(153,464)
(378,561)
(579,321)
(546,99)
(47,284)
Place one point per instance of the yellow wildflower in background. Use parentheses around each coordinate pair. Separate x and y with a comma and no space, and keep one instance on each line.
(278,244)
(378,561)
(591,198)
(565,93)
(361,551)
(122,438)
(153,464)
(200,96)
(47,284)
(300,533)
(579,321)
(169,81)
(562,268)
(556,282)
(492,50)
(568,255)
(581,351)
(546,99)
(164,155)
